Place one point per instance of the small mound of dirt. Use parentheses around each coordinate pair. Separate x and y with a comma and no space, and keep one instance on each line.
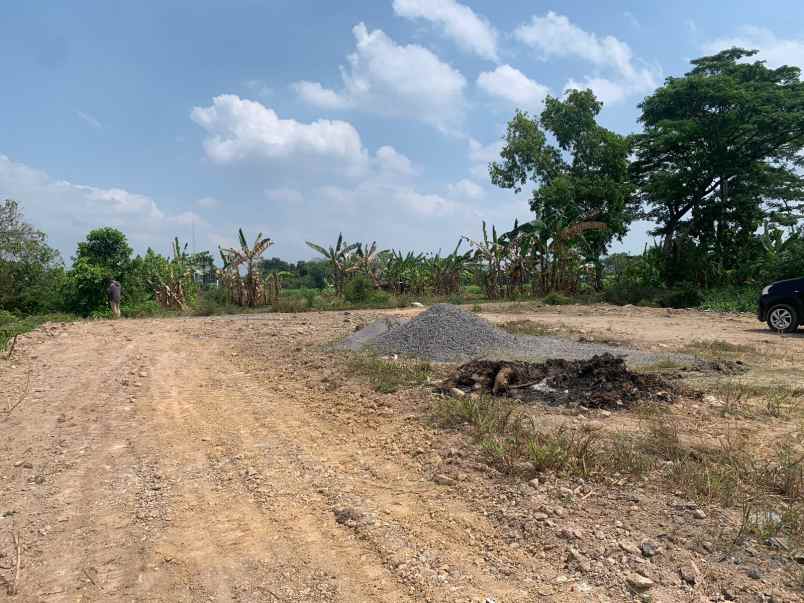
(600,382)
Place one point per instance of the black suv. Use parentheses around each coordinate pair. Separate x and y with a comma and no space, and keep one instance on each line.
(782,305)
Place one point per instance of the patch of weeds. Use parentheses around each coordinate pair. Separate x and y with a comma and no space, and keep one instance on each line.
(717,349)
(649,410)
(476,308)
(566,451)
(627,457)
(290,305)
(11,326)
(780,402)
(733,397)
(485,414)
(388,376)
(556,299)
(527,327)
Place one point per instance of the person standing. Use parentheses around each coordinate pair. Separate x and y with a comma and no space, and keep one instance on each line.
(115,292)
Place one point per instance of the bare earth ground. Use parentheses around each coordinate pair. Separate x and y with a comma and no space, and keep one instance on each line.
(231,459)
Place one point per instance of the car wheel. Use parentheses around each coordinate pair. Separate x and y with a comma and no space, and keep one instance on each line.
(783,318)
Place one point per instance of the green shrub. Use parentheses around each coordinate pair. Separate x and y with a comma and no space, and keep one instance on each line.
(6,317)
(731,299)
(554,298)
(358,290)
(143,310)
(456,299)
(310,296)
(622,294)
(402,301)
(380,298)
(688,297)
(474,290)
(289,305)
(214,302)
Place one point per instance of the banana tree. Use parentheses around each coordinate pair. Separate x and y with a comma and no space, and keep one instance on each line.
(341,258)
(173,283)
(253,291)
(549,246)
(447,273)
(491,253)
(369,261)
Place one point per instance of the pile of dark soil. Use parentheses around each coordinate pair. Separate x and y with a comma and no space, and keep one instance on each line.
(602,381)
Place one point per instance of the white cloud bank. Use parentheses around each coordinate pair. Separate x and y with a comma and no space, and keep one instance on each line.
(471,32)
(66,211)
(510,84)
(241,129)
(390,79)
(555,35)
(772,49)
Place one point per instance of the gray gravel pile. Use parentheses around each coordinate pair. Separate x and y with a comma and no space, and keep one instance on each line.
(443,333)
(446,333)
(360,339)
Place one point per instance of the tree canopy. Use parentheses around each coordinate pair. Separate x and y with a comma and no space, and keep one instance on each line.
(719,155)
(582,179)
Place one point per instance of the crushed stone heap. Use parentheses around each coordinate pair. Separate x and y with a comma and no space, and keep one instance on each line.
(442,333)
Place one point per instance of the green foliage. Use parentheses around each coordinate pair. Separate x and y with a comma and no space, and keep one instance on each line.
(686,297)
(145,309)
(720,154)
(556,299)
(12,325)
(30,271)
(290,305)
(215,301)
(106,248)
(582,181)
(731,299)
(84,290)
(358,289)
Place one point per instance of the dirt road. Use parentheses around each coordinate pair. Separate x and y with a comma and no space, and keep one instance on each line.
(202,461)
(226,459)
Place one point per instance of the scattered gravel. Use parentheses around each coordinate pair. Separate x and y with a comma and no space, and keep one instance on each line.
(446,333)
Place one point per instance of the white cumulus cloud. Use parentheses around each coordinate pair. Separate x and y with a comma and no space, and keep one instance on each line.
(241,129)
(607,91)
(66,211)
(512,85)
(470,31)
(391,160)
(387,78)
(466,189)
(774,50)
(313,93)
(555,35)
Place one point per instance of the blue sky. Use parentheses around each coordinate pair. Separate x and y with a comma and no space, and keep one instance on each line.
(307,118)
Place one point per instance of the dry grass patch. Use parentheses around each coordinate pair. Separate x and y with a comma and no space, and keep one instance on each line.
(730,473)
(389,375)
(717,349)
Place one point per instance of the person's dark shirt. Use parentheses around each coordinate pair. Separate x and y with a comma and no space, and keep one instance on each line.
(114,292)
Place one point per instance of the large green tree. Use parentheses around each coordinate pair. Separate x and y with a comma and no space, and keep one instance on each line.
(582,179)
(30,270)
(107,248)
(719,155)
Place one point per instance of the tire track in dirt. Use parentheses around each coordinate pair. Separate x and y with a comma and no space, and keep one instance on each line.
(179,470)
(75,514)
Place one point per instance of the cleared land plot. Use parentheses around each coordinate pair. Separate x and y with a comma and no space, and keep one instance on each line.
(237,459)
